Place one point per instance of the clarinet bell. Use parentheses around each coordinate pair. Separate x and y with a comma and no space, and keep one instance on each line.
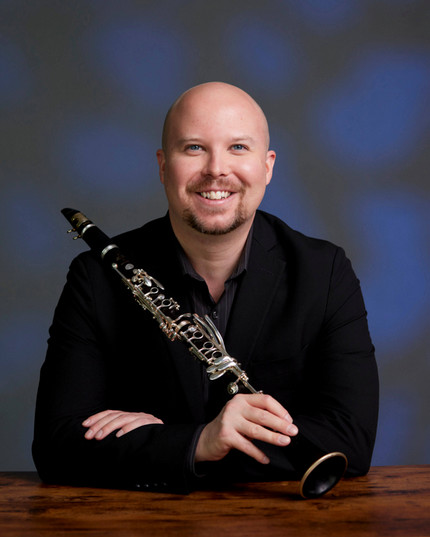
(316,470)
(323,475)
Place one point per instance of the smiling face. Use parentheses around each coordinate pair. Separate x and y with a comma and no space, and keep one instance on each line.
(215,164)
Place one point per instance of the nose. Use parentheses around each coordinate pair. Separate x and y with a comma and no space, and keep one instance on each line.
(216,164)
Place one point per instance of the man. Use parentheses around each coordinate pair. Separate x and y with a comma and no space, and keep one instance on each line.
(120,405)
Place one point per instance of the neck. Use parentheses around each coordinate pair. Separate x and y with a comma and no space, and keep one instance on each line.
(214,257)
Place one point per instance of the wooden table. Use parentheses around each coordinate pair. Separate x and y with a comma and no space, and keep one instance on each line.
(390,501)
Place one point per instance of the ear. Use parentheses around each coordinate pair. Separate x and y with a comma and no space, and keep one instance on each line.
(270,162)
(161,164)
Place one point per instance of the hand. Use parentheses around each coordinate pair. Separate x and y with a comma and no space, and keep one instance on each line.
(104,423)
(245,418)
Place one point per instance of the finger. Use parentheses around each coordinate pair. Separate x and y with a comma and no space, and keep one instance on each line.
(112,423)
(248,448)
(257,432)
(109,423)
(114,420)
(270,404)
(261,401)
(148,419)
(270,421)
(95,417)
(263,411)
(218,438)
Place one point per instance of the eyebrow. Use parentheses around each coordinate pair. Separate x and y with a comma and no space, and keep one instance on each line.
(244,138)
(182,141)
(197,139)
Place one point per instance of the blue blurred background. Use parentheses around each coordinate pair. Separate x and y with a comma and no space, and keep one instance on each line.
(84,87)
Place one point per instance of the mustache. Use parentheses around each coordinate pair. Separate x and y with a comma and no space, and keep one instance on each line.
(213,184)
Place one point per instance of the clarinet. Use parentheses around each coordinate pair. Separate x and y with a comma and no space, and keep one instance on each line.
(203,340)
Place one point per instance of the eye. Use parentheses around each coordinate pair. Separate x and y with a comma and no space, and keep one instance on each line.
(193,147)
(238,147)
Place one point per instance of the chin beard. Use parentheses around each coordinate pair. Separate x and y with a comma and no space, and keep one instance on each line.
(192,220)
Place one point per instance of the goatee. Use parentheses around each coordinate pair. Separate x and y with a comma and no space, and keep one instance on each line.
(193,221)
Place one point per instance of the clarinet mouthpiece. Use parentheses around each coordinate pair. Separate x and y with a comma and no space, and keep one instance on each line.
(68,213)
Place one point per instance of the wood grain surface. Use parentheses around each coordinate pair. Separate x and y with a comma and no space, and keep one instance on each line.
(390,501)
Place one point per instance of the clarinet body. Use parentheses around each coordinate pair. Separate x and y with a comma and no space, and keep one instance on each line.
(200,335)
(322,471)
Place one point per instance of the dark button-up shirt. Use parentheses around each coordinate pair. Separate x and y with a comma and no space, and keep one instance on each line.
(201,300)
(203,304)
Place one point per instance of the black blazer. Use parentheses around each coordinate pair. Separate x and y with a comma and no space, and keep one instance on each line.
(297,326)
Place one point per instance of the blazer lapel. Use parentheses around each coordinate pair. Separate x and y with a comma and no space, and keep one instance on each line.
(188,368)
(254,298)
(167,270)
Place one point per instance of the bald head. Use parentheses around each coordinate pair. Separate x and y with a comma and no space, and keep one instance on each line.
(215,163)
(205,98)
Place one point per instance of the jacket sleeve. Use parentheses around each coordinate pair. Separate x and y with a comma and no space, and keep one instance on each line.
(74,384)
(341,390)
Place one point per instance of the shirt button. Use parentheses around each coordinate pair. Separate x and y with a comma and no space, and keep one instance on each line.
(214,314)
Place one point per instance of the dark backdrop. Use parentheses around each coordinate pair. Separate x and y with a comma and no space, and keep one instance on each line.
(84,86)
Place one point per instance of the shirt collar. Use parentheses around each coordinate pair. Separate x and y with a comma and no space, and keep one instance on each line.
(242,265)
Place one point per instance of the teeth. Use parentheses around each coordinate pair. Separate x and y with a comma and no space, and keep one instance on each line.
(215,195)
